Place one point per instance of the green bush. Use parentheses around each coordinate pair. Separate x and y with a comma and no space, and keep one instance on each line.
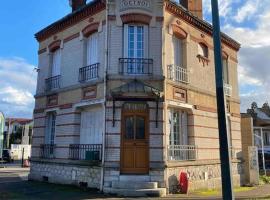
(265,179)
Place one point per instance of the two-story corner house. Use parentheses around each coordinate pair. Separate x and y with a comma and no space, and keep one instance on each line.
(126,100)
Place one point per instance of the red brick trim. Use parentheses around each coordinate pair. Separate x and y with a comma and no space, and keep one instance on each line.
(69,124)
(180,94)
(159,19)
(64,136)
(236,115)
(136,18)
(66,106)
(207,109)
(88,11)
(179,32)
(35,127)
(39,110)
(111,17)
(52,100)
(70,113)
(76,35)
(54,45)
(201,126)
(92,90)
(42,117)
(41,51)
(90,29)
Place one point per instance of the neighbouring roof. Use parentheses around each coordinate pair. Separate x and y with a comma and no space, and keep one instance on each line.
(21,121)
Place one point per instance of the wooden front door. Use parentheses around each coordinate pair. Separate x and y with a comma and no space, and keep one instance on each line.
(134,143)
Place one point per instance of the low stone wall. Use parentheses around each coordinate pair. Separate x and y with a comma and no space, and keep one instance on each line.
(203,176)
(65,174)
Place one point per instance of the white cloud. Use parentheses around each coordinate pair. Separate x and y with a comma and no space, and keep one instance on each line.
(17,86)
(247,10)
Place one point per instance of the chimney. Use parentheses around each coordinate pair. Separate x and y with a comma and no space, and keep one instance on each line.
(193,6)
(76,4)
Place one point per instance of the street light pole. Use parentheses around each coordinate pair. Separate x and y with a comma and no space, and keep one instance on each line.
(227,188)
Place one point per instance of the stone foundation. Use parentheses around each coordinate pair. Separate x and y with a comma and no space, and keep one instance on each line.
(204,176)
(65,174)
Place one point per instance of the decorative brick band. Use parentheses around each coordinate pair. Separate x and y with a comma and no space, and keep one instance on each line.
(136,18)
(207,109)
(88,30)
(66,106)
(179,32)
(111,17)
(41,51)
(159,19)
(76,35)
(55,45)
(69,124)
(39,110)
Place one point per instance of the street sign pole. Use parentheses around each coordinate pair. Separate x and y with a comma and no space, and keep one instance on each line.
(227,188)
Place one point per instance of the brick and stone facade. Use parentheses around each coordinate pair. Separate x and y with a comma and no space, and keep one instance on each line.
(113,85)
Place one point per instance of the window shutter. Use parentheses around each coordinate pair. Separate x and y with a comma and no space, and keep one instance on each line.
(184,128)
(177,51)
(92,49)
(146,41)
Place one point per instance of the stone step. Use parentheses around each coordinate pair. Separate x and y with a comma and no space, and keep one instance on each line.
(135,178)
(134,185)
(159,192)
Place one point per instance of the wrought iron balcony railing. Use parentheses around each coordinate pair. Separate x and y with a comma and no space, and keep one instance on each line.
(47,151)
(177,73)
(52,83)
(136,66)
(92,152)
(182,152)
(88,73)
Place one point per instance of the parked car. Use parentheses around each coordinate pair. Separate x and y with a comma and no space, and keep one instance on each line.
(266,158)
(7,156)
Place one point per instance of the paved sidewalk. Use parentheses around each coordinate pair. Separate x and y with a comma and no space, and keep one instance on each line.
(261,192)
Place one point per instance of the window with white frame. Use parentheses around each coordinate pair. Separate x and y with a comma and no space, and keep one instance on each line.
(135,46)
(92,49)
(56,63)
(178,127)
(50,133)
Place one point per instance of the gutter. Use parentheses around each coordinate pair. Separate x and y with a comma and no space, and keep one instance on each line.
(105,101)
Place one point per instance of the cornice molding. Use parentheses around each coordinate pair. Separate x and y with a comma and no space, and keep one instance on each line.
(88,30)
(200,24)
(71,19)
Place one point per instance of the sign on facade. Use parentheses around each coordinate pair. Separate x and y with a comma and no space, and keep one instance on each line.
(141,4)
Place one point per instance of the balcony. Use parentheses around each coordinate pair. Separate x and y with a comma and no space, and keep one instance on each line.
(88,73)
(227,89)
(52,83)
(91,152)
(136,66)
(178,74)
(47,151)
(182,152)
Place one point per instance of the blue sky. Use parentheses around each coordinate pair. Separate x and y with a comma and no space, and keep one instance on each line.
(245,20)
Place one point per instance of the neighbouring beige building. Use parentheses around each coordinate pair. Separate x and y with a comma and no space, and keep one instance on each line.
(126,99)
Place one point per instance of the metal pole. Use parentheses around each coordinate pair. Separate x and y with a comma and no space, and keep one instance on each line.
(22,156)
(263,159)
(227,190)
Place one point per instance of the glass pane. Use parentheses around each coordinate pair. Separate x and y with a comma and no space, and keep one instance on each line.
(140,128)
(129,128)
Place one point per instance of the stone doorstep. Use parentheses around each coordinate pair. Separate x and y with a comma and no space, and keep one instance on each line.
(134,185)
(135,178)
(159,192)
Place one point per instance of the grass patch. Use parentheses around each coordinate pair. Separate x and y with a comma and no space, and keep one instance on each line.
(217,192)
(264,180)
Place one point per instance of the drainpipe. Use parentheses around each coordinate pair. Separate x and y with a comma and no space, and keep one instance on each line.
(105,93)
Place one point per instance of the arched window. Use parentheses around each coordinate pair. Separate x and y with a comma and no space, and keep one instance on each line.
(203,50)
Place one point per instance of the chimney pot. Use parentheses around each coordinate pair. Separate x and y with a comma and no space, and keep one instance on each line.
(76,4)
(193,6)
